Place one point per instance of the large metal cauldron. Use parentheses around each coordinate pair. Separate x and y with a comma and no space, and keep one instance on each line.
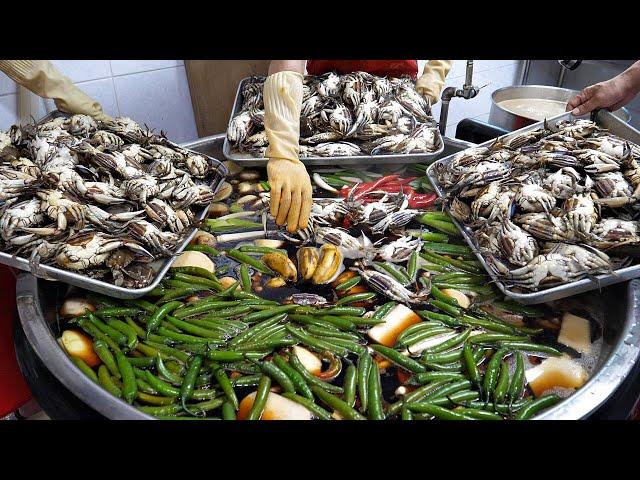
(503,118)
(617,306)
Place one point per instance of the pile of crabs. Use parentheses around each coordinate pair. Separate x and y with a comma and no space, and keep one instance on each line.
(551,205)
(103,198)
(344,115)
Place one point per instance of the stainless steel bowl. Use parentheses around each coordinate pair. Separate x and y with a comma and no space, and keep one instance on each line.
(618,306)
(510,121)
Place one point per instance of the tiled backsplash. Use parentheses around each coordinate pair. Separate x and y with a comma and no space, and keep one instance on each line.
(154,92)
(488,74)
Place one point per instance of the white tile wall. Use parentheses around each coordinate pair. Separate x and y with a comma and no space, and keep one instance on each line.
(155,92)
(159,98)
(489,74)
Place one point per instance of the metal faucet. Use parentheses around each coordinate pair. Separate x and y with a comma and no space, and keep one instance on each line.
(468,91)
(566,65)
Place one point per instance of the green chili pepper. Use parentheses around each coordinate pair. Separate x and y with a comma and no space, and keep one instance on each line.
(262,250)
(346,285)
(471,365)
(245,277)
(531,348)
(130,333)
(374,408)
(296,378)
(356,297)
(207,249)
(337,404)
(397,358)
(295,362)
(491,374)
(130,388)
(84,368)
(478,414)
(503,383)
(189,380)
(103,352)
(116,312)
(242,257)
(260,399)
(104,378)
(228,411)
(156,318)
(516,388)
(533,407)
(437,411)
(225,384)
(427,377)
(363,367)
(382,310)
(316,410)
(349,385)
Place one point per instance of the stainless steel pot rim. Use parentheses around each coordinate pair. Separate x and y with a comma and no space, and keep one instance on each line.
(549,88)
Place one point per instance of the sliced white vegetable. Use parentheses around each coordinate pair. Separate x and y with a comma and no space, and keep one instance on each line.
(310,361)
(322,184)
(269,242)
(76,307)
(398,319)
(276,408)
(575,332)
(430,342)
(462,299)
(194,259)
(80,346)
(556,372)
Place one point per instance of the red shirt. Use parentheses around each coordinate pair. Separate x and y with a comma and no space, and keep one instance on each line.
(382,68)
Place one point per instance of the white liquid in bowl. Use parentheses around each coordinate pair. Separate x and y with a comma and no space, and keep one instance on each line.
(534,108)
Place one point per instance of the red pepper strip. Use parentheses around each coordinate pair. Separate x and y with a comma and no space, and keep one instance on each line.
(421,200)
(372,186)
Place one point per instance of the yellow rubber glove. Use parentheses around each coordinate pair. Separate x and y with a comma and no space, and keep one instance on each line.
(290,183)
(430,83)
(45,80)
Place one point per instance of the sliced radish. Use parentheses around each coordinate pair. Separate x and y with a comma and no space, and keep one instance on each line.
(397,320)
(310,361)
(276,408)
(556,372)
(194,259)
(268,242)
(80,346)
(76,307)
(575,332)
(462,299)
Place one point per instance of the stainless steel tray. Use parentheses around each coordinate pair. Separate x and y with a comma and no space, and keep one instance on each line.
(159,266)
(248,160)
(615,126)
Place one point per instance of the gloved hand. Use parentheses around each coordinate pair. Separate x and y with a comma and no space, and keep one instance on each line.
(612,94)
(430,83)
(290,183)
(45,80)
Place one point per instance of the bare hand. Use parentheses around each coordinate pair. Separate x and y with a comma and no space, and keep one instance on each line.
(612,95)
